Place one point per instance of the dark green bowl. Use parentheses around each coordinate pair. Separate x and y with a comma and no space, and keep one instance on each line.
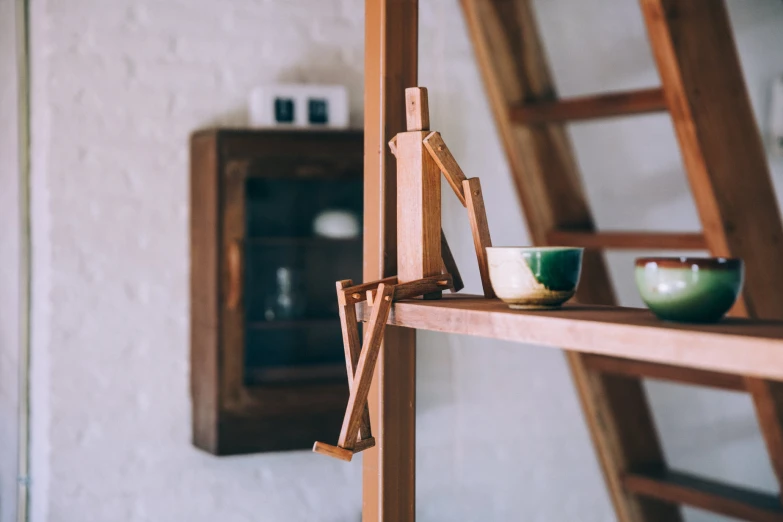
(689,289)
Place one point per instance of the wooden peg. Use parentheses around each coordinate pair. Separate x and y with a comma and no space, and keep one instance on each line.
(447,164)
(352,347)
(480,229)
(393,145)
(449,264)
(417,109)
(366,366)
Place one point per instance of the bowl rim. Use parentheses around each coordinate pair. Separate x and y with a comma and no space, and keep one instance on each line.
(535,248)
(718,263)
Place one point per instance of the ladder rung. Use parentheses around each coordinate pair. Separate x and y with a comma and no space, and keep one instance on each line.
(590,107)
(682,488)
(628,240)
(632,368)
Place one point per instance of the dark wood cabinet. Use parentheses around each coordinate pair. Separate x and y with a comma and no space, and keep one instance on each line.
(267,365)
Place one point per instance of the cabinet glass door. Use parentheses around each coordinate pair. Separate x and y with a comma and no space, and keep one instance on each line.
(302,235)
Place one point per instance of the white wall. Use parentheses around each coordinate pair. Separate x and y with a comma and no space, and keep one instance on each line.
(117,88)
(9,262)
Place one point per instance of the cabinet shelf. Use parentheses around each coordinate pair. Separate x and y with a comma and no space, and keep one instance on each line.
(304,240)
(735,346)
(293,323)
(288,374)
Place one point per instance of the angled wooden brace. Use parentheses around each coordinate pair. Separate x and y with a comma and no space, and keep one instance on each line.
(469,193)
(447,164)
(356,435)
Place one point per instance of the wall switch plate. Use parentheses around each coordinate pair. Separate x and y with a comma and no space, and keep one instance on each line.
(776,118)
(299,106)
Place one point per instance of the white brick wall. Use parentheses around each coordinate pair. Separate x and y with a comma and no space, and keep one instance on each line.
(117,88)
(121,84)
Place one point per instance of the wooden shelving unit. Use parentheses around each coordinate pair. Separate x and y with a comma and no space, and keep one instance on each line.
(733,346)
(610,349)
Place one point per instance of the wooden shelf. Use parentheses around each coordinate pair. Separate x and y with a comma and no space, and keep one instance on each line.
(737,346)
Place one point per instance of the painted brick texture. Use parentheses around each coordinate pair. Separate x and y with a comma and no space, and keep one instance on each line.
(118,87)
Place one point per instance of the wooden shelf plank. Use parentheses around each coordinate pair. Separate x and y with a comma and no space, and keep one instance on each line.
(683,488)
(666,372)
(736,346)
(628,240)
(590,107)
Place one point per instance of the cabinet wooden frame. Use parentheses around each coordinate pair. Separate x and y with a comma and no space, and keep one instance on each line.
(229,416)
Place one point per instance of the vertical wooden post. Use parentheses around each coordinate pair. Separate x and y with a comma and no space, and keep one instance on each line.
(391,64)
(418,195)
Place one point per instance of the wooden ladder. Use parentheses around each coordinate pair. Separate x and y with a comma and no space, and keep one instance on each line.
(704,92)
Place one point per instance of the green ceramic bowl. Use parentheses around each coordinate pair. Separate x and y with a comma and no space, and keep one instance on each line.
(534,278)
(689,289)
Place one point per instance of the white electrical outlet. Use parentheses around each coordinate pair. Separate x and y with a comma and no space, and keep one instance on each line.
(776,119)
